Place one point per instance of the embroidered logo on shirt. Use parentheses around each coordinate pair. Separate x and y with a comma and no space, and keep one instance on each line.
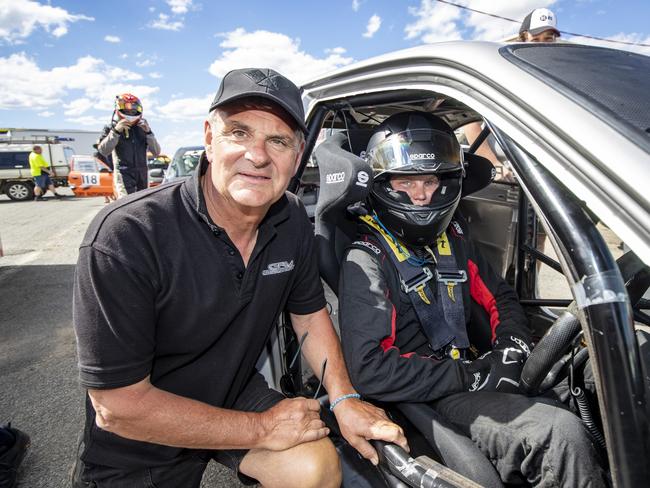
(275,268)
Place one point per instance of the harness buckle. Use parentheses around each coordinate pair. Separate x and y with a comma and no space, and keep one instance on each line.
(451,277)
(418,281)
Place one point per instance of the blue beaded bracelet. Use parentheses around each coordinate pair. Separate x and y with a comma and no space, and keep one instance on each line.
(341,398)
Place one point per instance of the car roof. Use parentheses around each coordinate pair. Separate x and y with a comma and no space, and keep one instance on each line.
(601,155)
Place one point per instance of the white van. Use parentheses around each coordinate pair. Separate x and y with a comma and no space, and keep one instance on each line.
(15,176)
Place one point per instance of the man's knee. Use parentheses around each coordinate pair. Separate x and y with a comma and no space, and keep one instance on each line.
(319,465)
(313,464)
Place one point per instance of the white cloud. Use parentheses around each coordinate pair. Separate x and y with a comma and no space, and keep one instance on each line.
(77,107)
(442,22)
(356,4)
(632,37)
(25,85)
(89,120)
(179,6)
(273,50)
(163,22)
(45,114)
(374,23)
(155,75)
(113,39)
(192,136)
(186,109)
(145,64)
(124,56)
(19,18)
(435,22)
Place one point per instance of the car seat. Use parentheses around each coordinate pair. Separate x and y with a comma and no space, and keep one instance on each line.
(345,181)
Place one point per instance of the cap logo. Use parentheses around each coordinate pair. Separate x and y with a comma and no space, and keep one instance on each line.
(270,81)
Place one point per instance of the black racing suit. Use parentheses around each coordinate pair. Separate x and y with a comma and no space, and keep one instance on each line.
(389,359)
(129,154)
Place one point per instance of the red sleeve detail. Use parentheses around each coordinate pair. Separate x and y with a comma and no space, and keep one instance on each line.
(388,342)
(482,295)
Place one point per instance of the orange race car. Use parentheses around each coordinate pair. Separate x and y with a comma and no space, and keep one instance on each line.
(89,177)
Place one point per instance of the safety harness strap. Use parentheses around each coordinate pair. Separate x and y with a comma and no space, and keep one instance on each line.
(430,306)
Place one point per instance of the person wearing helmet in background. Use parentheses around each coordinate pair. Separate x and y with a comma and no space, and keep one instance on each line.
(539,26)
(127,139)
(418,303)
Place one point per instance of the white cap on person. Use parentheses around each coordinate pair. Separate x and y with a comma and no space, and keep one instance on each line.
(538,21)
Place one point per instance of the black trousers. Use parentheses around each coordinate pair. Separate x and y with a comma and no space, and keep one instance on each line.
(135,179)
(534,440)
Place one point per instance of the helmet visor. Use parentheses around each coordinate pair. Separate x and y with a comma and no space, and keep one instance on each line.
(417,151)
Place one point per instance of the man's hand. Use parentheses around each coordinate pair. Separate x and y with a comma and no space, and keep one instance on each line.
(499,369)
(144,125)
(360,421)
(291,422)
(121,125)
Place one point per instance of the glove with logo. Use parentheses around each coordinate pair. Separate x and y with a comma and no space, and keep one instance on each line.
(499,369)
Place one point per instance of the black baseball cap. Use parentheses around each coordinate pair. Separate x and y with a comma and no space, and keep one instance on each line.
(263,83)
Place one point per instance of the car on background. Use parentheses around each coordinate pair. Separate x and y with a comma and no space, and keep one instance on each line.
(185,159)
(156,169)
(90,177)
(15,175)
(573,125)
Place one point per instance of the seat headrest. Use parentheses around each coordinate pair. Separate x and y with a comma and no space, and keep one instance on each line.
(344,178)
(479,173)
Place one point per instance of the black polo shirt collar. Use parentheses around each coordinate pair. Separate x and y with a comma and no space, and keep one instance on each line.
(192,192)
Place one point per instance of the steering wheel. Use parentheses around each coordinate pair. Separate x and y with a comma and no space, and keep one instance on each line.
(545,364)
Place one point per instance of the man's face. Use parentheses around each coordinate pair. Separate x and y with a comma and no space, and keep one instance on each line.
(546,36)
(420,189)
(253,154)
(38,150)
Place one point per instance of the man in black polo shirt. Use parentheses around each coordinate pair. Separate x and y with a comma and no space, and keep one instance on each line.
(176,292)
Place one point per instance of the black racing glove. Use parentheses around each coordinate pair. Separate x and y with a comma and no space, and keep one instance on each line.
(499,369)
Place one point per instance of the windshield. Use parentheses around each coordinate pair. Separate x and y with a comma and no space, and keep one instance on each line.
(185,161)
(85,165)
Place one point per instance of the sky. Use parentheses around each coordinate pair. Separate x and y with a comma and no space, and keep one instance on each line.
(63,61)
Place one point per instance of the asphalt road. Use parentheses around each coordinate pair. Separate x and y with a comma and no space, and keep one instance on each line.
(39,391)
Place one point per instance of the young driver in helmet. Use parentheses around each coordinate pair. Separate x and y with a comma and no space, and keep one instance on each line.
(417,299)
(127,140)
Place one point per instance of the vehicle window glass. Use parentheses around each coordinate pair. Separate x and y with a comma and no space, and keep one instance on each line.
(189,161)
(552,284)
(9,160)
(85,165)
(6,160)
(68,152)
(21,158)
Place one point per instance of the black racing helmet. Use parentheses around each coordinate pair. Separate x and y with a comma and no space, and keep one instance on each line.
(415,143)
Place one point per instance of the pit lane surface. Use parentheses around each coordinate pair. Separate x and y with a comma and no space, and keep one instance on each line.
(39,391)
